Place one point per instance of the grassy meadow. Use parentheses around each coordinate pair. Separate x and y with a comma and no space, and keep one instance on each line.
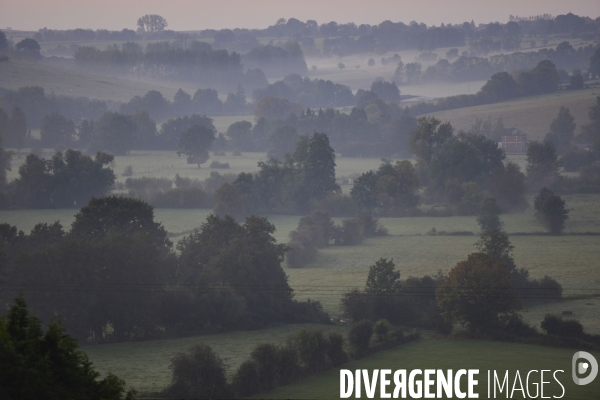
(145,365)
(15,74)
(166,164)
(571,259)
(456,354)
(532,115)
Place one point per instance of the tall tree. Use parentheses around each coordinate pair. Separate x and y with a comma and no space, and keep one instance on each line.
(591,131)
(29,45)
(562,130)
(151,23)
(383,279)
(429,135)
(49,365)
(283,141)
(319,170)
(64,181)
(57,130)
(595,63)
(114,133)
(477,292)
(3,42)
(489,216)
(5,157)
(542,163)
(195,143)
(551,210)
(17,129)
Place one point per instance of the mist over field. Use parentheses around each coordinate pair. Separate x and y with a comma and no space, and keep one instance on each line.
(240,199)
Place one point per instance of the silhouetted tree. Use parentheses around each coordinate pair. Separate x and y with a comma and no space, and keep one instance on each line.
(489,216)
(152,23)
(476,292)
(542,163)
(562,131)
(551,210)
(383,279)
(48,364)
(16,135)
(200,374)
(195,143)
(114,133)
(57,130)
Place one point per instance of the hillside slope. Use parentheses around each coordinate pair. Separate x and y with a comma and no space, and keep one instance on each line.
(533,114)
(15,74)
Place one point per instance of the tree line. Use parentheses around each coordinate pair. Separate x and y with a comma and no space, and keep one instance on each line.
(468,67)
(114,275)
(204,65)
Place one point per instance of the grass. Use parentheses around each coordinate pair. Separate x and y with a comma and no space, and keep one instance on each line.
(532,114)
(166,164)
(571,259)
(15,74)
(145,365)
(585,311)
(455,354)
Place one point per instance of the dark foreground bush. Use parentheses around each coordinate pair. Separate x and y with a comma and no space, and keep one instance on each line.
(48,365)
(360,335)
(198,374)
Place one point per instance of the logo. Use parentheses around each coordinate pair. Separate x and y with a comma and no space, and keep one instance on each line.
(580,368)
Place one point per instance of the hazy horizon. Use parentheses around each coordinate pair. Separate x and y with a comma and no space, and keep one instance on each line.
(184,15)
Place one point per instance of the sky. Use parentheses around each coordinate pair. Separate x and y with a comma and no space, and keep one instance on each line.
(217,14)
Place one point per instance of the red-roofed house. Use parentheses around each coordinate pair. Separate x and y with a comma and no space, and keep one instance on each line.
(513,140)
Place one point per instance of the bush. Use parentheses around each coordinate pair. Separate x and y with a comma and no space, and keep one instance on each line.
(128,171)
(302,249)
(514,325)
(245,380)
(382,329)
(551,211)
(336,352)
(313,346)
(554,325)
(352,233)
(266,358)
(200,373)
(370,225)
(360,336)
(219,165)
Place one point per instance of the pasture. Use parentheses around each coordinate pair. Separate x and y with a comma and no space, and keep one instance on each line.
(145,365)
(167,164)
(456,354)
(15,74)
(571,259)
(532,115)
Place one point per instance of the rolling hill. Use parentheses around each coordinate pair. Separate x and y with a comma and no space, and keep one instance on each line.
(15,74)
(532,114)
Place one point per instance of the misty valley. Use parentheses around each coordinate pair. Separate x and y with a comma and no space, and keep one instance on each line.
(244,213)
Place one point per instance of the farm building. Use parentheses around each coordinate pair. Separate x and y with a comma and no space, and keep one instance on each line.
(513,140)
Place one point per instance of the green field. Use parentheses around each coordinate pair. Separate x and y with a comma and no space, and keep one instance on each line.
(571,259)
(166,164)
(145,365)
(456,354)
(532,115)
(15,74)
